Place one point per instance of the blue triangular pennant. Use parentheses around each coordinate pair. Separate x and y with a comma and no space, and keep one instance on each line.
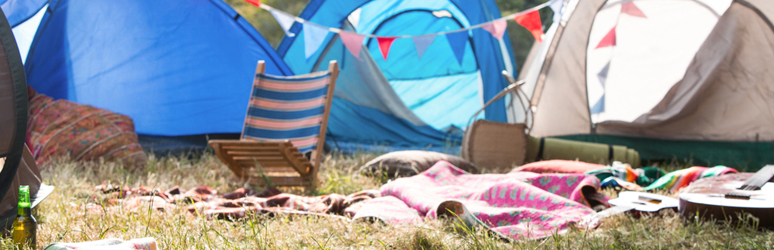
(556,6)
(284,20)
(457,41)
(313,37)
(602,75)
(422,42)
(599,107)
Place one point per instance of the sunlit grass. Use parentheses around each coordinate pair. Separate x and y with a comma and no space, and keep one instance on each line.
(63,217)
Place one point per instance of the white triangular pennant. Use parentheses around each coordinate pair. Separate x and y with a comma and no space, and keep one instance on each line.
(557,6)
(314,36)
(284,20)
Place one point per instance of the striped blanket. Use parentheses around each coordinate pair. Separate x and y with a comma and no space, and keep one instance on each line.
(676,180)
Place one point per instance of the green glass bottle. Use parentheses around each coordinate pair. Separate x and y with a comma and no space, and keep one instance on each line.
(25,227)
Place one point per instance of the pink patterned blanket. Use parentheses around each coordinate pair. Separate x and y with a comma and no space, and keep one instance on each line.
(519,205)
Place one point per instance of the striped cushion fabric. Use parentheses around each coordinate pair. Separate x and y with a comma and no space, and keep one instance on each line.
(287,108)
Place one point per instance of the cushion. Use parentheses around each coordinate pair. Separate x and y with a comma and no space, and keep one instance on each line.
(412,162)
(558,166)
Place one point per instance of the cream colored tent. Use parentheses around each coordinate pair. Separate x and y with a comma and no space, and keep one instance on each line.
(674,79)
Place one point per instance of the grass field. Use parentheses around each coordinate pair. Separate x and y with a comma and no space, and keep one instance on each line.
(62,218)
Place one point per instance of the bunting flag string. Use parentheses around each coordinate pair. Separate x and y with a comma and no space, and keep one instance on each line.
(336,30)
(285,21)
(632,10)
(353,42)
(557,8)
(421,43)
(532,22)
(315,34)
(607,40)
(384,45)
(457,41)
(254,2)
(628,8)
(497,28)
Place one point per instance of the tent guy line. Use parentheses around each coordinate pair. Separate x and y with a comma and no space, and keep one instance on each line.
(337,30)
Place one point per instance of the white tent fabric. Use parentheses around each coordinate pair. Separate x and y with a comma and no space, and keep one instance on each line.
(25,32)
(650,55)
(687,70)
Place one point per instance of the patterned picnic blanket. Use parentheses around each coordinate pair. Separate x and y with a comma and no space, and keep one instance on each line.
(208,202)
(59,128)
(518,205)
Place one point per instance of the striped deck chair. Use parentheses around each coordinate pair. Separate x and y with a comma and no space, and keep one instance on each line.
(286,119)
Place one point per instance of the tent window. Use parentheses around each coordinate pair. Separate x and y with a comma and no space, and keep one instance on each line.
(438,60)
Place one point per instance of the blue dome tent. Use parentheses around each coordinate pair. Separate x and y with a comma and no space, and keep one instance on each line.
(177,68)
(405,102)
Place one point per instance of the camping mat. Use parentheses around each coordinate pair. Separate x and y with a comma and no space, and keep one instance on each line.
(205,201)
(84,133)
(518,205)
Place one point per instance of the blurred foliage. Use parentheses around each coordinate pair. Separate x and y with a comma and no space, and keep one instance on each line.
(264,22)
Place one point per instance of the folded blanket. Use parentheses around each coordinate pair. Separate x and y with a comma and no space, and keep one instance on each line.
(676,180)
(60,128)
(517,205)
(624,177)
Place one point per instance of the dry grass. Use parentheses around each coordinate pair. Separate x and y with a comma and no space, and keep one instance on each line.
(62,218)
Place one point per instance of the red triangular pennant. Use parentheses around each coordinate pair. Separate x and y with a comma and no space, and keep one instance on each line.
(531,21)
(608,40)
(632,10)
(384,45)
(254,2)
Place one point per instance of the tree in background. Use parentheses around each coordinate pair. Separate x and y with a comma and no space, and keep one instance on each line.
(263,21)
(521,39)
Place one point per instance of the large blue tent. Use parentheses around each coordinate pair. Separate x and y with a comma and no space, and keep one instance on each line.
(175,67)
(405,101)
(183,69)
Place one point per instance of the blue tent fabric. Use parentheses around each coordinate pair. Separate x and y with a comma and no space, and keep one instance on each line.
(175,67)
(371,116)
(19,11)
(459,86)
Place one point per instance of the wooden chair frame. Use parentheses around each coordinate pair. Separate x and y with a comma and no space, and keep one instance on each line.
(277,161)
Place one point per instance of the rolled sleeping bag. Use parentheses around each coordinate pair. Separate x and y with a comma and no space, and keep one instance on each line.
(540,148)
